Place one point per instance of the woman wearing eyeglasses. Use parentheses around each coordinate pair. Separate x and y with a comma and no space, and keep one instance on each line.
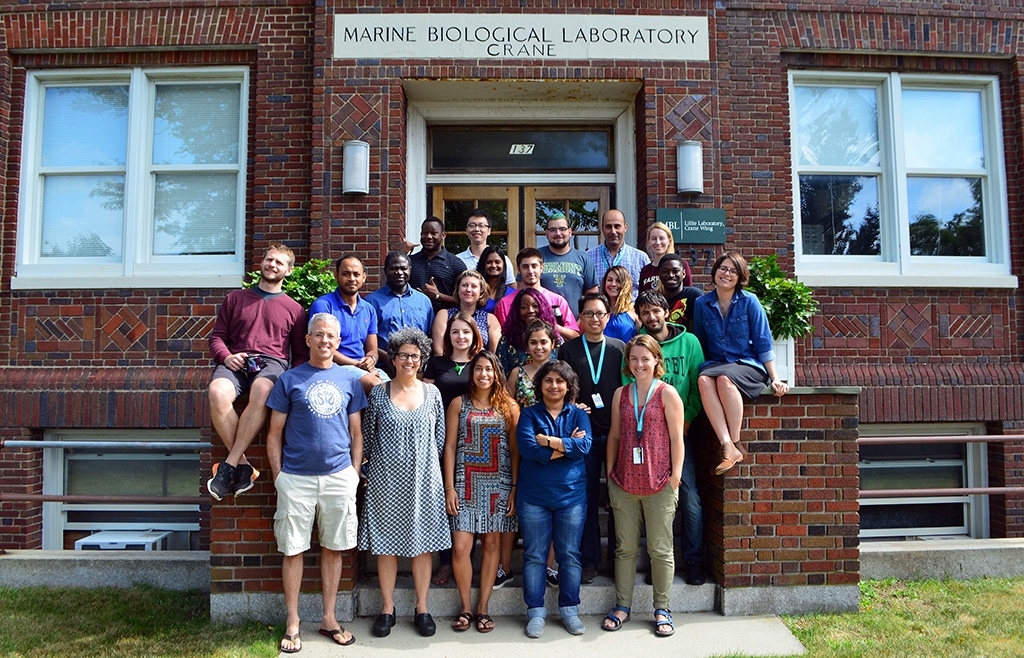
(733,329)
(404,512)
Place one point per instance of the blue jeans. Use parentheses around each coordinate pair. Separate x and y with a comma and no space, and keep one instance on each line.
(540,526)
(689,521)
(590,546)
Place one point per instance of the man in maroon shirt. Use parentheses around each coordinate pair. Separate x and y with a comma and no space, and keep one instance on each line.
(259,330)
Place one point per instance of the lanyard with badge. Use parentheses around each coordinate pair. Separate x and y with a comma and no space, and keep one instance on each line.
(638,413)
(615,261)
(595,374)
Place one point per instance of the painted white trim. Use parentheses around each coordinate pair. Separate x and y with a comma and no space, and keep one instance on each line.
(951,280)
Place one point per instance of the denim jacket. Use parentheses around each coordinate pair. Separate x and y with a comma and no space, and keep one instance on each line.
(742,335)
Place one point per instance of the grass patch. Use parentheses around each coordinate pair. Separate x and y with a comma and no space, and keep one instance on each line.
(142,621)
(933,618)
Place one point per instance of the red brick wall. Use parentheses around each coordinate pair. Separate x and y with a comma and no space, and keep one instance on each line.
(21,472)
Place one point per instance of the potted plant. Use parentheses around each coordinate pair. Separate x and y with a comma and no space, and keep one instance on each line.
(306,282)
(789,305)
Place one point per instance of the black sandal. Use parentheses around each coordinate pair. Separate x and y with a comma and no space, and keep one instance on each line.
(481,621)
(464,618)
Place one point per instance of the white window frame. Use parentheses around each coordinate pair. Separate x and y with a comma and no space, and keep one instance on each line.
(139,267)
(895,266)
(976,508)
(55,515)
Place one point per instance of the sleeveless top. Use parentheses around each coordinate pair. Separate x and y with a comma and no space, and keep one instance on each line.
(621,326)
(526,396)
(653,474)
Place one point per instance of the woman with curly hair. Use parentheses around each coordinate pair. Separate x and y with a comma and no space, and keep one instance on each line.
(478,489)
(622,321)
(528,305)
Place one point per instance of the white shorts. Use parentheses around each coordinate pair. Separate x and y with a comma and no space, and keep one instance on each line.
(329,499)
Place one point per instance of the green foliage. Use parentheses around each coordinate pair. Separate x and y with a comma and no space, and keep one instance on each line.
(306,282)
(789,304)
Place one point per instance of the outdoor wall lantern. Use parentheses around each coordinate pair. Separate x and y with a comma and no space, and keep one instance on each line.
(689,168)
(355,173)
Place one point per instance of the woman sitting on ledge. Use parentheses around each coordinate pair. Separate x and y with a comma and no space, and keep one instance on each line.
(733,329)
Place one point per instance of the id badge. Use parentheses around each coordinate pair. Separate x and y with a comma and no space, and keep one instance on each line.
(638,455)
(598,402)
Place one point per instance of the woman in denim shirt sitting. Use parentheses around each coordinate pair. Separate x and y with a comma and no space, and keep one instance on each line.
(733,329)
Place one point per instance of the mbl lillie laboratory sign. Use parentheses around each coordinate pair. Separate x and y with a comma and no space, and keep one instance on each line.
(694,225)
(520,36)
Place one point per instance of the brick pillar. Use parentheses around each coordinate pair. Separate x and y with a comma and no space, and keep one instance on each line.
(781,529)
(1006,469)
(21,472)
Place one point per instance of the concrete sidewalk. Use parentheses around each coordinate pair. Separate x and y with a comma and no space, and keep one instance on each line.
(698,635)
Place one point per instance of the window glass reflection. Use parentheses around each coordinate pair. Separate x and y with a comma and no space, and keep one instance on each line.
(942,129)
(83,216)
(837,126)
(946,217)
(196,124)
(85,126)
(839,215)
(583,220)
(194,214)
(463,149)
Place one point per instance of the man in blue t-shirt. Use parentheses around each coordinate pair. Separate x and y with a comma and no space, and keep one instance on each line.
(315,448)
(567,271)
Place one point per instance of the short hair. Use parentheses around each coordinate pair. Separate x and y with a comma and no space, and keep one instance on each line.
(322,317)
(622,302)
(284,249)
(478,342)
(473,274)
(344,257)
(563,370)
(410,336)
(650,298)
(596,296)
(687,273)
(539,325)
(663,227)
(558,214)
(478,212)
(647,341)
(670,258)
(432,218)
(743,271)
(393,256)
(529,252)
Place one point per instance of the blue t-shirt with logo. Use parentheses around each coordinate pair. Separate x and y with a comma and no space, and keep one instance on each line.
(318,402)
(568,275)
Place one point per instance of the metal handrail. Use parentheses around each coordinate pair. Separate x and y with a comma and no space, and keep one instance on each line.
(134,500)
(940,492)
(149,446)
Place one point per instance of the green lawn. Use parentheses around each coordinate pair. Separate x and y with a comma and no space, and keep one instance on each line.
(979,618)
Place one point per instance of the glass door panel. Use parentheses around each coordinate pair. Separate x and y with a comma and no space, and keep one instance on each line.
(453,203)
(583,206)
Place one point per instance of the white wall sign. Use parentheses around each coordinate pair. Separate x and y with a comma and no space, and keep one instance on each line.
(520,36)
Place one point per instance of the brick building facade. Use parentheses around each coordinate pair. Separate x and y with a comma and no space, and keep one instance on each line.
(108,341)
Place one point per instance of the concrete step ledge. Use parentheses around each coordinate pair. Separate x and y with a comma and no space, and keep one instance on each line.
(172,570)
(960,559)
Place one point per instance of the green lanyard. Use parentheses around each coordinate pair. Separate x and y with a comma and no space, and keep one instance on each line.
(636,409)
(595,374)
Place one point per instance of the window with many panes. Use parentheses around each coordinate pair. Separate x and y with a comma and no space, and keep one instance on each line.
(131,176)
(899,177)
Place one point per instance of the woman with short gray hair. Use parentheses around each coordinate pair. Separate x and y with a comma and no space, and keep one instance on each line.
(404,513)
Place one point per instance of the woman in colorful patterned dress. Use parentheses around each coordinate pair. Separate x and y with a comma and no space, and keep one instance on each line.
(481,465)
(645,466)
(540,343)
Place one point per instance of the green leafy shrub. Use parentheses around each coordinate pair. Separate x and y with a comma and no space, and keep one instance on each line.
(789,304)
(306,282)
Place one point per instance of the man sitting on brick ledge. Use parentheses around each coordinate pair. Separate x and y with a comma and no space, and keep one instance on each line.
(258,330)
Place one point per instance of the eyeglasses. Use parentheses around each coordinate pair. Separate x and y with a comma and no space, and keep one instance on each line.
(405,356)
(597,315)
(556,229)
(728,270)
(474,225)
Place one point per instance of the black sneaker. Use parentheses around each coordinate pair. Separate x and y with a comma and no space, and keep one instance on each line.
(552,577)
(223,481)
(501,578)
(245,478)
(694,574)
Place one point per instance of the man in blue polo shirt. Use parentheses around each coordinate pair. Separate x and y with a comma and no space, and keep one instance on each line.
(358,320)
(397,304)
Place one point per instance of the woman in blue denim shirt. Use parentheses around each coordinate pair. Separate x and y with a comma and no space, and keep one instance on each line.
(733,329)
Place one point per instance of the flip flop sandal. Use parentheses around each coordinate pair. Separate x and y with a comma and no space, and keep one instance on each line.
(291,638)
(658,623)
(481,621)
(463,622)
(616,622)
(337,635)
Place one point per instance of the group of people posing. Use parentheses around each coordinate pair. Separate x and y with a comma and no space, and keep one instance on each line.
(478,404)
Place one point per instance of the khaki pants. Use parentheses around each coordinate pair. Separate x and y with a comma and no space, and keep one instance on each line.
(656,511)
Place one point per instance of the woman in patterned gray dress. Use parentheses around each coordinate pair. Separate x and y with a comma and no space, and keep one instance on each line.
(481,465)
(404,512)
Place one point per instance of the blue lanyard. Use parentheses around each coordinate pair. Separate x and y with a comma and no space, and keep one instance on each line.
(595,374)
(616,261)
(636,408)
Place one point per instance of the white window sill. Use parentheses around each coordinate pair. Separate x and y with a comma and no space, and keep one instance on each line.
(852,280)
(163,282)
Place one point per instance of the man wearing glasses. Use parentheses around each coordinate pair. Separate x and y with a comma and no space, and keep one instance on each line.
(478,229)
(598,360)
(567,271)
